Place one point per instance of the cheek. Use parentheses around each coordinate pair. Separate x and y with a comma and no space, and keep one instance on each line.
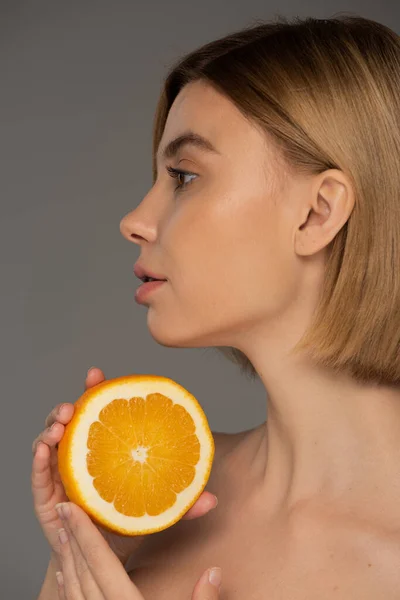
(256,260)
(229,257)
(218,291)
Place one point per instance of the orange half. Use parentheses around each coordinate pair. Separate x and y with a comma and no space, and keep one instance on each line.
(137,453)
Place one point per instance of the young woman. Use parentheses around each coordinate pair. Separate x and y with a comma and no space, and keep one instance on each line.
(274,217)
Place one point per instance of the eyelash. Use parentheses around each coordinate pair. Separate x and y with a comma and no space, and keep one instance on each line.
(176,173)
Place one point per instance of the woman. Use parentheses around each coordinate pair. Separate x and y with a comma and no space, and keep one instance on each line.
(279,238)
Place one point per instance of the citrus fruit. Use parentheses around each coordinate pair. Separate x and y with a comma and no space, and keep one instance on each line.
(136,454)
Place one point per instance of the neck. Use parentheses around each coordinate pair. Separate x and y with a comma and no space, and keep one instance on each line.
(327,442)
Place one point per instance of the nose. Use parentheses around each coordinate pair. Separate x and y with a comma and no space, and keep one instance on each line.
(135,229)
(142,223)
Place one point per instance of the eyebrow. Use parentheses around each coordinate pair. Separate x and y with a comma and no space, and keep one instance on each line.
(187,138)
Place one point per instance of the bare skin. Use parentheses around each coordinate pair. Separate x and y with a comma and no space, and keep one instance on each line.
(314,492)
(301,555)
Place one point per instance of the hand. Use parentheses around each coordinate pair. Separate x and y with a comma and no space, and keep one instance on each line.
(48,490)
(91,571)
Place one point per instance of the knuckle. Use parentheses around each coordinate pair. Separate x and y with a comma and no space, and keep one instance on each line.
(73,524)
(51,417)
(92,556)
(62,551)
(35,443)
(73,521)
(74,587)
(82,568)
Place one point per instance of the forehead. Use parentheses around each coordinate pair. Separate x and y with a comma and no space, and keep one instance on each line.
(202,100)
(201,108)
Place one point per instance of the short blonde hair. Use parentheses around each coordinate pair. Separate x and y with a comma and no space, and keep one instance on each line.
(327,92)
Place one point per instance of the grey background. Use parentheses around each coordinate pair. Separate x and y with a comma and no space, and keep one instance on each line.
(79,85)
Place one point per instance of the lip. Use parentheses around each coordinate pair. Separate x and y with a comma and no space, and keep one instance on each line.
(146,288)
(141,271)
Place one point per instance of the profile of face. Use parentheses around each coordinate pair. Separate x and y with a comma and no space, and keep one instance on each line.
(227,236)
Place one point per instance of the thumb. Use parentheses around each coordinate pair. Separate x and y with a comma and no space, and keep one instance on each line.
(209,585)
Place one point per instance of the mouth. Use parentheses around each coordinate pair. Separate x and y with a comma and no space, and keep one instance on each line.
(146,279)
(146,275)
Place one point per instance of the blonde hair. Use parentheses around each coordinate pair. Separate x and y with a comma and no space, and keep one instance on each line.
(327,93)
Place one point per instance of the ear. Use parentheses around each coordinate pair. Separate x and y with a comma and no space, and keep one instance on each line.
(329,203)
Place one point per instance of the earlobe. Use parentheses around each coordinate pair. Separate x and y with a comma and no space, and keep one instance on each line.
(332,202)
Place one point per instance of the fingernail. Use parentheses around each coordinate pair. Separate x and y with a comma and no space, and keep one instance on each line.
(215,577)
(62,536)
(90,369)
(216,502)
(63,510)
(60,578)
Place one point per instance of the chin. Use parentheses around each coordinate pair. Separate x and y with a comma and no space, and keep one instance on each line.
(166,333)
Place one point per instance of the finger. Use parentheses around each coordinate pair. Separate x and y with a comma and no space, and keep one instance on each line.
(60,585)
(62,413)
(94,377)
(72,589)
(41,478)
(50,436)
(208,588)
(106,568)
(204,504)
(87,583)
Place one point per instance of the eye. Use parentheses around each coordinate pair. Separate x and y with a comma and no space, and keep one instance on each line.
(177,173)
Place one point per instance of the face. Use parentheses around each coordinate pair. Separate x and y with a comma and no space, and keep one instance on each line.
(224,239)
